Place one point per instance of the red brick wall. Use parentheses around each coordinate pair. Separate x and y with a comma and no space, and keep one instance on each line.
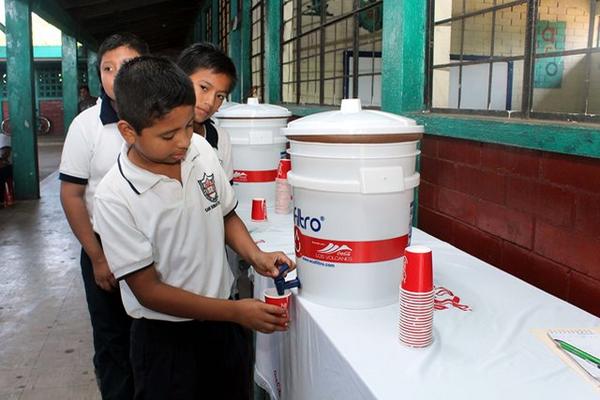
(533,214)
(51,109)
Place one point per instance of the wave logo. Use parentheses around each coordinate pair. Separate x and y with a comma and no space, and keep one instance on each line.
(240,176)
(334,248)
(314,224)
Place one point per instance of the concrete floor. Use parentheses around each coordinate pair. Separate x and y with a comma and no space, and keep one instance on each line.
(45,333)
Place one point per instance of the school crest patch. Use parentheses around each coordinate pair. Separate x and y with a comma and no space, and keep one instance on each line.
(209,189)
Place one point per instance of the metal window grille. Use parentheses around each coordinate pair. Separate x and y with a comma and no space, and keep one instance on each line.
(257,55)
(3,90)
(224,17)
(208,25)
(331,50)
(522,58)
(49,80)
(82,73)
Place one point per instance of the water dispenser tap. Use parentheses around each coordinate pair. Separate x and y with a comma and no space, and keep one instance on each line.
(280,282)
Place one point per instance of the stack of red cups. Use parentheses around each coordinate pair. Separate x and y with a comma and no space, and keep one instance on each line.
(416,298)
(283,190)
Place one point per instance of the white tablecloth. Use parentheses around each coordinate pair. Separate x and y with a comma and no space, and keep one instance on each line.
(487,353)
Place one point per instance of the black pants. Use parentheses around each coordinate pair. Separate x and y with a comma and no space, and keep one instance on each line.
(5,173)
(111,327)
(191,360)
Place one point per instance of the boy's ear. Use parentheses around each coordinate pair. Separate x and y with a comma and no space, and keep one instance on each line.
(127,131)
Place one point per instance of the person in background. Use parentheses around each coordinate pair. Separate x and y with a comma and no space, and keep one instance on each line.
(86,100)
(6,173)
(164,213)
(214,76)
(91,148)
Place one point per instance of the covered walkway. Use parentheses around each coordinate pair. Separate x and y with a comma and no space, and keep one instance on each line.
(46,335)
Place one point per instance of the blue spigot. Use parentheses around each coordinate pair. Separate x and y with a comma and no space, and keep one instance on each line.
(280,282)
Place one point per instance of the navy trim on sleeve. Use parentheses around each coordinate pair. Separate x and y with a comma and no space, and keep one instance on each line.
(232,210)
(124,177)
(127,275)
(72,179)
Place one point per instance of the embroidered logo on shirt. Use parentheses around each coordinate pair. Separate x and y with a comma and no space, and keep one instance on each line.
(209,189)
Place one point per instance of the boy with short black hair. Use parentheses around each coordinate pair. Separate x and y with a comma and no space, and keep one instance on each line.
(164,213)
(91,148)
(214,76)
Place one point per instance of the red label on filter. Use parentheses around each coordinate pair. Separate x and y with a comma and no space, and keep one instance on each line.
(347,251)
(242,176)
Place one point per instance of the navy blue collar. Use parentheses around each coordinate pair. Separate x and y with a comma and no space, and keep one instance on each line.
(108,115)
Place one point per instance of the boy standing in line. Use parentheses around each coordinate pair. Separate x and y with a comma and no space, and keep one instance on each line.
(90,150)
(164,214)
(213,75)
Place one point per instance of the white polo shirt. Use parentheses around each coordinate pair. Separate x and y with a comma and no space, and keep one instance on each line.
(145,218)
(91,148)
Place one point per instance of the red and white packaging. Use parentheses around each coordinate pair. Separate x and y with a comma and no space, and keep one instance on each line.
(285,165)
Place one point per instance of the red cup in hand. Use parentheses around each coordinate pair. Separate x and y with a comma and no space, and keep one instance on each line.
(274,298)
(418,271)
(259,210)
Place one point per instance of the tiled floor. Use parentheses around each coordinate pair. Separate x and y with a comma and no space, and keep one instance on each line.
(45,334)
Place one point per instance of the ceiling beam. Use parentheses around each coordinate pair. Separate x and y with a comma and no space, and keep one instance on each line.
(53,13)
(114,7)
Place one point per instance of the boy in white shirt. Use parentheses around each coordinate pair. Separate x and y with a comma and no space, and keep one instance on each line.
(164,214)
(90,150)
(213,75)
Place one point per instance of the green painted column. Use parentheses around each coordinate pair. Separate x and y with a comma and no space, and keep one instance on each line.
(198,26)
(203,37)
(92,72)
(19,71)
(403,55)
(214,8)
(403,61)
(273,11)
(245,71)
(235,48)
(69,79)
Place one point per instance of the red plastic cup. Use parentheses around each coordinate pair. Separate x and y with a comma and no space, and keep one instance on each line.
(285,164)
(272,297)
(418,271)
(259,210)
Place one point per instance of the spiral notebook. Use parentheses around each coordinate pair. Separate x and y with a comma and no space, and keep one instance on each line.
(586,340)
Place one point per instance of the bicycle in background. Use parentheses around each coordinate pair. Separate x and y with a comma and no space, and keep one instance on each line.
(42,123)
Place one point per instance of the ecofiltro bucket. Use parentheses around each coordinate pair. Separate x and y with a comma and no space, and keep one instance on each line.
(256,145)
(353,175)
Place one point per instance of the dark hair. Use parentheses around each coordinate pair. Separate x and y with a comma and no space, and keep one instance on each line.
(149,87)
(86,87)
(207,56)
(122,39)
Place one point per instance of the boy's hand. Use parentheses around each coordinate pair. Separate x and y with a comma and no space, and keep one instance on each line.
(102,275)
(260,316)
(266,263)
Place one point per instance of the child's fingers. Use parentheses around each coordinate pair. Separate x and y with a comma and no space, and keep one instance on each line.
(274,310)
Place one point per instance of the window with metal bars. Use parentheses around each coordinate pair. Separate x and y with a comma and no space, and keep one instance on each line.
(3,90)
(523,58)
(208,25)
(49,80)
(257,48)
(331,50)
(224,17)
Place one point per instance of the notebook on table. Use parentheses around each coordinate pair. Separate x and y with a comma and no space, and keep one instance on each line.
(580,348)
